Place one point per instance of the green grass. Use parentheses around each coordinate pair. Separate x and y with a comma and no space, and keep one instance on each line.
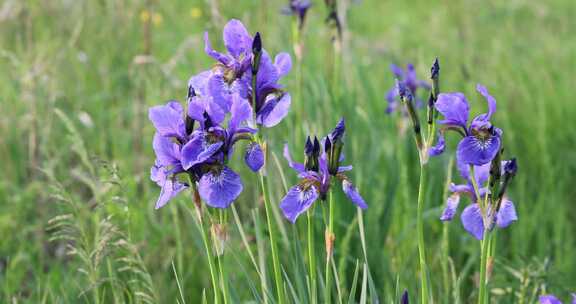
(92,162)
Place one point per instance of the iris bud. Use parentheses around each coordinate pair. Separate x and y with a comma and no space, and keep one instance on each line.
(257,53)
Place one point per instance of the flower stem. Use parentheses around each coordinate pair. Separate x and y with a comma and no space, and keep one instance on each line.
(273,245)
(329,235)
(482,296)
(420,232)
(221,238)
(207,245)
(311,256)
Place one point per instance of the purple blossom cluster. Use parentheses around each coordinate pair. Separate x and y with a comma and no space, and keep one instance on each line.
(224,105)
(478,161)
(321,166)
(405,78)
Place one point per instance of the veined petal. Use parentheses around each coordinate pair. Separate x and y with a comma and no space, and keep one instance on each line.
(219,188)
(454,107)
(283,64)
(274,110)
(472,221)
(472,150)
(168,119)
(294,165)
(297,201)
(507,214)
(254,156)
(352,193)
(451,206)
(549,299)
(237,39)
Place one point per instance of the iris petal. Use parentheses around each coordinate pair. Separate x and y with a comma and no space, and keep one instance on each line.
(352,193)
(454,107)
(254,156)
(220,188)
(297,201)
(236,38)
(451,206)
(472,221)
(507,214)
(294,165)
(472,150)
(168,119)
(274,110)
(549,299)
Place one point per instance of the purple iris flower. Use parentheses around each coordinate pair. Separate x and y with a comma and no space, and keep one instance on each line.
(201,153)
(406,78)
(551,299)
(481,140)
(232,75)
(316,175)
(298,8)
(471,217)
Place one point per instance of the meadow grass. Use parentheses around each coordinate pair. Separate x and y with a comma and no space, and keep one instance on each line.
(77,222)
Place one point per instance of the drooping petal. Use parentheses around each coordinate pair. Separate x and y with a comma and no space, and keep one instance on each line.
(168,192)
(283,64)
(167,152)
(472,221)
(168,119)
(507,214)
(297,201)
(549,299)
(454,107)
(274,110)
(212,53)
(219,188)
(472,150)
(197,150)
(294,165)
(491,101)
(254,156)
(451,206)
(352,193)
(439,147)
(237,39)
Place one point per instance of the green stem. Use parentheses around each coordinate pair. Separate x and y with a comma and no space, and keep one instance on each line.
(209,257)
(223,280)
(330,248)
(273,245)
(482,297)
(311,256)
(420,232)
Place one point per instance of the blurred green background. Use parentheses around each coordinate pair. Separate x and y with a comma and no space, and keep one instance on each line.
(76,205)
